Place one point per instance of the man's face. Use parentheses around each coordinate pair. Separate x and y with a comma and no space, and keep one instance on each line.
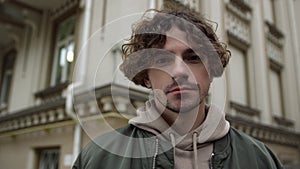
(178,74)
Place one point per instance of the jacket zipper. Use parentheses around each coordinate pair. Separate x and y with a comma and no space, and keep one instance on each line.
(155,154)
(211,161)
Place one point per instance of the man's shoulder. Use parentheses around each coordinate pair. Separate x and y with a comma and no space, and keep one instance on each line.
(112,147)
(239,135)
(247,147)
(112,135)
(243,137)
(126,131)
(114,138)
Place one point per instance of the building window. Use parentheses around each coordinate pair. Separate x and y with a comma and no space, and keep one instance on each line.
(48,158)
(6,78)
(276,92)
(63,51)
(238,76)
(276,95)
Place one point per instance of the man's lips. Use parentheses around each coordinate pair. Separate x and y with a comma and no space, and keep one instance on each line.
(180,89)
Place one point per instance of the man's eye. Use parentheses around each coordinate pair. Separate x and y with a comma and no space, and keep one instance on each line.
(163,60)
(193,59)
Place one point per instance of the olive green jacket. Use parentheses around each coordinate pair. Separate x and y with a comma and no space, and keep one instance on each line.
(234,151)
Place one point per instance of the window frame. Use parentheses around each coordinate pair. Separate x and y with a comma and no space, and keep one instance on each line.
(57,44)
(246,75)
(4,103)
(276,68)
(41,151)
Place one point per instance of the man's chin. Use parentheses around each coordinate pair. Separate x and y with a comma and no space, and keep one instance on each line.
(179,104)
(178,108)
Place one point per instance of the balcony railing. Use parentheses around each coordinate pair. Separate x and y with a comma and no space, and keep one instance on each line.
(110,98)
(34,116)
(265,133)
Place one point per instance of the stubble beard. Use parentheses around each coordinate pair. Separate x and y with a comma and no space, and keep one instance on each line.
(183,103)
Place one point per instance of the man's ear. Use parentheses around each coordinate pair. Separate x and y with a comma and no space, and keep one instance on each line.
(147,83)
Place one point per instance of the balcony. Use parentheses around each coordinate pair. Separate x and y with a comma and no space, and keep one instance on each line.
(51,112)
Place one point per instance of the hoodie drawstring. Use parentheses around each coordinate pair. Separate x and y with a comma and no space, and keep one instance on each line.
(173,142)
(155,154)
(195,136)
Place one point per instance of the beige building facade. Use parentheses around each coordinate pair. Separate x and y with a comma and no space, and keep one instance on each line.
(60,85)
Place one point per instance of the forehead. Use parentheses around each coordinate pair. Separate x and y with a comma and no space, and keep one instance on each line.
(177,34)
(176,40)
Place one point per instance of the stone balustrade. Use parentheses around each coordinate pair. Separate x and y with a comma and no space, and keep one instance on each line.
(110,98)
(34,116)
(265,133)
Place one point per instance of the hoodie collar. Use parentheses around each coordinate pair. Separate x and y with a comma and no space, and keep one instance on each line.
(214,127)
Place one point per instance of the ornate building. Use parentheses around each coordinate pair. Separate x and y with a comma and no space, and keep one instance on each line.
(60,85)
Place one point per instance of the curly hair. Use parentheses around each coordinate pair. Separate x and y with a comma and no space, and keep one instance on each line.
(150,33)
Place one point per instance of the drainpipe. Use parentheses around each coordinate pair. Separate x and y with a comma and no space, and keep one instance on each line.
(152,4)
(82,60)
(70,112)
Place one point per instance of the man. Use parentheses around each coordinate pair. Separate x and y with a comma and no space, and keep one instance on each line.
(176,54)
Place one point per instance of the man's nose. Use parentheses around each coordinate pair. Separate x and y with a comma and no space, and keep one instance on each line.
(179,68)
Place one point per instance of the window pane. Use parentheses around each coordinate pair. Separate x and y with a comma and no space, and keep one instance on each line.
(5,89)
(275,89)
(6,78)
(62,56)
(60,64)
(70,54)
(238,76)
(49,159)
(70,59)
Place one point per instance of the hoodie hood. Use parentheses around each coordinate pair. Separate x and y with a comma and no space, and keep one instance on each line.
(214,127)
(197,143)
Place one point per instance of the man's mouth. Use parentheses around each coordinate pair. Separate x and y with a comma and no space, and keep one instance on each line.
(180,89)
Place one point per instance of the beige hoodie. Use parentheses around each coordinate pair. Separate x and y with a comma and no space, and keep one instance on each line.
(192,150)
